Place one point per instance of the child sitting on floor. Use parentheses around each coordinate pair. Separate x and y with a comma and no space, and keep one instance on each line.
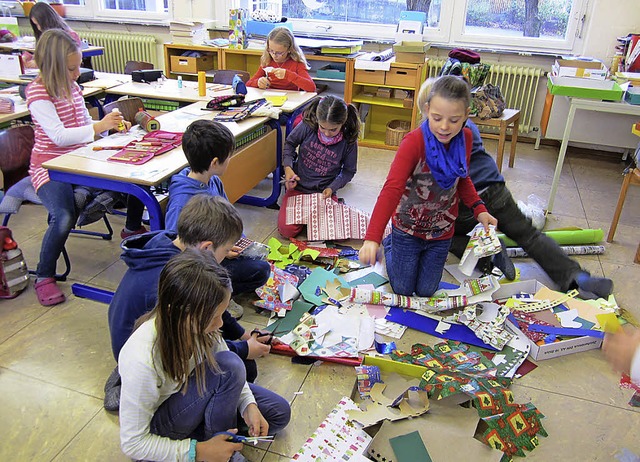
(327,154)
(180,385)
(208,146)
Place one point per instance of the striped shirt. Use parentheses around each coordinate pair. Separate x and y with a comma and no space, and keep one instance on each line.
(60,127)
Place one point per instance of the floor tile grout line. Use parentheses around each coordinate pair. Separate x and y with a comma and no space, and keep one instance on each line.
(76,435)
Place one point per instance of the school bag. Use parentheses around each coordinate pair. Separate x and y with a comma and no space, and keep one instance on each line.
(14,276)
(487,101)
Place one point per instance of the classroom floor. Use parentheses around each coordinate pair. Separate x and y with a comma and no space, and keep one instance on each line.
(54,361)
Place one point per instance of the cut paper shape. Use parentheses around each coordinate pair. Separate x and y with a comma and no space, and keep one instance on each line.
(454,270)
(410,448)
(288,292)
(271,292)
(390,329)
(372,278)
(585,310)
(319,277)
(348,441)
(489,324)
(428,325)
(567,319)
(609,322)
(323,251)
(367,376)
(442,327)
(565,331)
(411,403)
(481,244)
(285,325)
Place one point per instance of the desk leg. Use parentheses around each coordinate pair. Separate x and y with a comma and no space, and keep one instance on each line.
(501,143)
(275,185)
(95,103)
(156,218)
(514,142)
(561,154)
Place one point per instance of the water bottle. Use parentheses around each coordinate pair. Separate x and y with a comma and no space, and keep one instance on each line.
(179,81)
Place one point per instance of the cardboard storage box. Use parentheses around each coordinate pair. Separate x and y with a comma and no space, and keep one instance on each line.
(401,77)
(585,88)
(332,71)
(184,64)
(578,68)
(548,350)
(370,76)
(411,52)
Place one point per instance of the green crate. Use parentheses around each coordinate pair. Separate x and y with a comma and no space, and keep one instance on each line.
(585,88)
(160,105)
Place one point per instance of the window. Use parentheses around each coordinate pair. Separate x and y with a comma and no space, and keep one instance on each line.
(146,10)
(507,24)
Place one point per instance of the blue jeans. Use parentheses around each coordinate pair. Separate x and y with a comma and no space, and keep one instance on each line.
(200,417)
(246,274)
(414,265)
(58,198)
(561,268)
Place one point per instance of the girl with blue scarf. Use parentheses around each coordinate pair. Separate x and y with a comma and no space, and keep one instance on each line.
(426,181)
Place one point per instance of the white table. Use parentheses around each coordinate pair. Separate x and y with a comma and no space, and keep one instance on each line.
(618,107)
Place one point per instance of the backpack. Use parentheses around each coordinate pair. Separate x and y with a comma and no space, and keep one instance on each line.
(14,276)
(487,101)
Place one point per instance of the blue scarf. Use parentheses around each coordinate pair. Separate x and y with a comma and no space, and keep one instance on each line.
(446,165)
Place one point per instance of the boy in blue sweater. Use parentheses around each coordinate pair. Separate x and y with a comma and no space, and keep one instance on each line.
(206,222)
(208,146)
(490,184)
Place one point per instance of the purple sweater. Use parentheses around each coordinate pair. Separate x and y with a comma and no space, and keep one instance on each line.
(319,166)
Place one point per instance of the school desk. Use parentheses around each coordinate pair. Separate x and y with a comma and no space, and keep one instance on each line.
(167,89)
(87,52)
(612,107)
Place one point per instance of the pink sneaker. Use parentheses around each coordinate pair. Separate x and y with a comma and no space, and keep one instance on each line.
(125,234)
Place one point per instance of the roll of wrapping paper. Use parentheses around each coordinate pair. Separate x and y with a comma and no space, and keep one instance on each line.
(146,121)
(428,304)
(518,252)
(202,83)
(566,237)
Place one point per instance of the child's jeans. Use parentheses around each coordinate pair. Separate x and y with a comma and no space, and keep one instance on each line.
(200,417)
(58,198)
(247,274)
(414,264)
(289,231)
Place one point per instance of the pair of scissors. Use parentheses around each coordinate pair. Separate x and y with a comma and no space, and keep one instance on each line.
(235,438)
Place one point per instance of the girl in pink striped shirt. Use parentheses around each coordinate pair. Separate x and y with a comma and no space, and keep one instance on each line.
(61,124)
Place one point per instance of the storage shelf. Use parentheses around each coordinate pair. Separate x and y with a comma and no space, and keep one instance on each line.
(375,140)
(383,85)
(379,101)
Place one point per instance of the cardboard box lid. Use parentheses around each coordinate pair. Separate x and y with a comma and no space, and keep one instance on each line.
(579,63)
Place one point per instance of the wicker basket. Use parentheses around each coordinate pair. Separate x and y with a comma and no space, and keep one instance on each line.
(396,129)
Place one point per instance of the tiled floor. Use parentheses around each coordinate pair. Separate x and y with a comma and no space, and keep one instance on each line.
(54,361)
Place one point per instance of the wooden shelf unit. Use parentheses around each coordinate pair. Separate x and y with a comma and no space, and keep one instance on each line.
(383,110)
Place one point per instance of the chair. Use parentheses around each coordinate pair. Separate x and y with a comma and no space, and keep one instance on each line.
(131,66)
(631,176)
(225,76)
(15,145)
(128,107)
(510,118)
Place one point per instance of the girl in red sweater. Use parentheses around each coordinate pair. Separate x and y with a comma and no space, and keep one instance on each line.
(282,65)
(429,175)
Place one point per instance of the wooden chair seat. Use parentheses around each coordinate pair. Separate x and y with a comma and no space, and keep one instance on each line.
(510,119)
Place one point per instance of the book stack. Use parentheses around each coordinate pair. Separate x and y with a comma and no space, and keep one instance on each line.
(188,32)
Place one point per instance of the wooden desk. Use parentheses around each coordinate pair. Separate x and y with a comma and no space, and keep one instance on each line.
(510,118)
(618,107)
(168,89)
(30,47)
(91,168)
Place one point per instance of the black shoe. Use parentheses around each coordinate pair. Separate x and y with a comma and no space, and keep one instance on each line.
(503,263)
(112,391)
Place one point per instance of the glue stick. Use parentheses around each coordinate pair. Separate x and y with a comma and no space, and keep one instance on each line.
(179,81)
(121,126)
(202,83)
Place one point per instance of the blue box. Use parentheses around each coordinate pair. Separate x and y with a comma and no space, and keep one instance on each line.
(332,71)
(263,28)
(420,16)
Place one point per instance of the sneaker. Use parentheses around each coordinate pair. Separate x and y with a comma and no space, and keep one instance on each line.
(504,263)
(125,233)
(235,309)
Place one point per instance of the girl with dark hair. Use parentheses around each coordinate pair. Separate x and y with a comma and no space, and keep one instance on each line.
(326,157)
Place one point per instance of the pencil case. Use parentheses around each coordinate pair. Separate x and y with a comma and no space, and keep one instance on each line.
(138,153)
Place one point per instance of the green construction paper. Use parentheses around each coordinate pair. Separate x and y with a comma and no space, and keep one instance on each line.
(372,278)
(410,448)
(282,255)
(311,252)
(318,278)
(566,237)
(285,325)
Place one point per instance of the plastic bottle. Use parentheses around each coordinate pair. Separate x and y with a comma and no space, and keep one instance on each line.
(202,83)
(121,126)
(179,81)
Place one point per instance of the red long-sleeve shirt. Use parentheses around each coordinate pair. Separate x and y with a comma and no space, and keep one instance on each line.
(296,77)
(419,206)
